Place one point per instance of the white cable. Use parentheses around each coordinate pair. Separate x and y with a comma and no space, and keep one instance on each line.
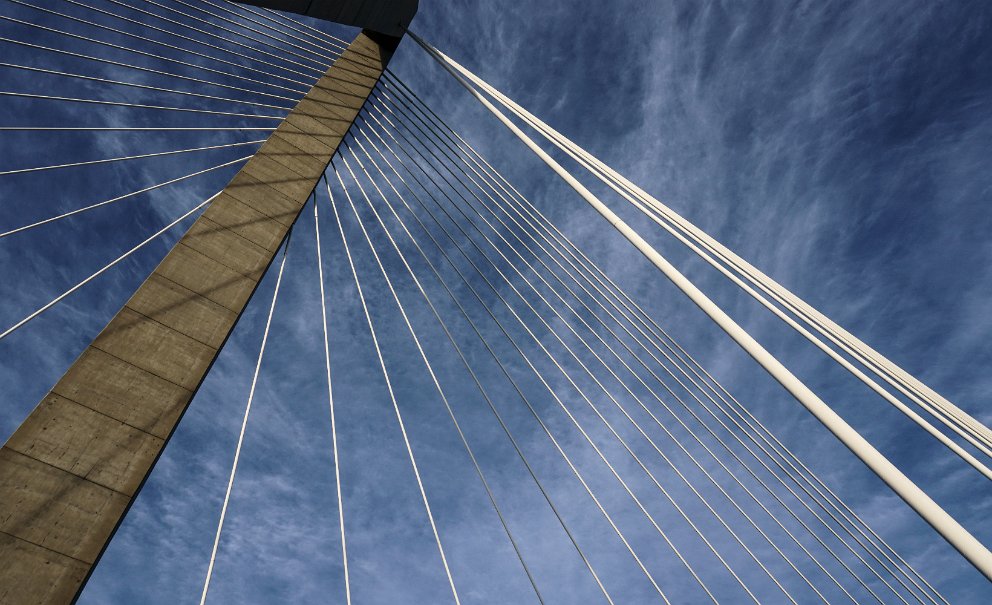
(151,41)
(626,302)
(586,160)
(118,198)
(337,47)
(389,388)
(282,51)
(949,414)
(477,332)
(244,423)
(26,95)
(584,259)
(58,298)
(420,349)
(612,398)
(572,418)
(330,402)
(933,513)
(271,14)
(159,72)
(637,399)
(131,157)
(818,539)
(539,375)
(313,69)
(316,50)
(184,93)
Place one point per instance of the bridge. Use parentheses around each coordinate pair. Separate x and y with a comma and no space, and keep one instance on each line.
(470,387)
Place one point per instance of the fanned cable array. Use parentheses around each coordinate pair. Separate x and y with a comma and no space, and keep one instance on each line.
(201,83)
(552,383)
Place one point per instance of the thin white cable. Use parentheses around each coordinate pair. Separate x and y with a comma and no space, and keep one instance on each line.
(650,210)
(130,157)
(58,298)
(159,72)
(389,388)
(537,373)
(874,539)
(636,398)
(316,50)
(626,301)
(330,402)
(150,41)
(248,9)
(313,69)
(950,415)
(271,14)
(244,422)
(877,539)
(270,17)
(948,527)
(26,95)
(661,532)
(185,93)
(282,51)
(606,391)
(478,334)
(420,348)
(730,451)
(640,380)
(118,198)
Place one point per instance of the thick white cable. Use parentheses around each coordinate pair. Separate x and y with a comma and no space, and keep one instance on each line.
(874,539)
(389,388)
(150,41)
(839,560)
(330,403)
(420,348)
(587,161)
(949,414)
(475,329)
(874,386)
(58,298)
(27,95)
(649,389)
(185,93)
(130,157)
(732,453)
(728,470)
(118,198)
(605,390)
(626,301)
(930,511)
(597,274)
(244,423)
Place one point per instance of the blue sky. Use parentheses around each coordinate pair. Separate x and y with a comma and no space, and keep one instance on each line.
(840,147)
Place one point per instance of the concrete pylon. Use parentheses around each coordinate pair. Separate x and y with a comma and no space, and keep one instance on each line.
(71,471)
